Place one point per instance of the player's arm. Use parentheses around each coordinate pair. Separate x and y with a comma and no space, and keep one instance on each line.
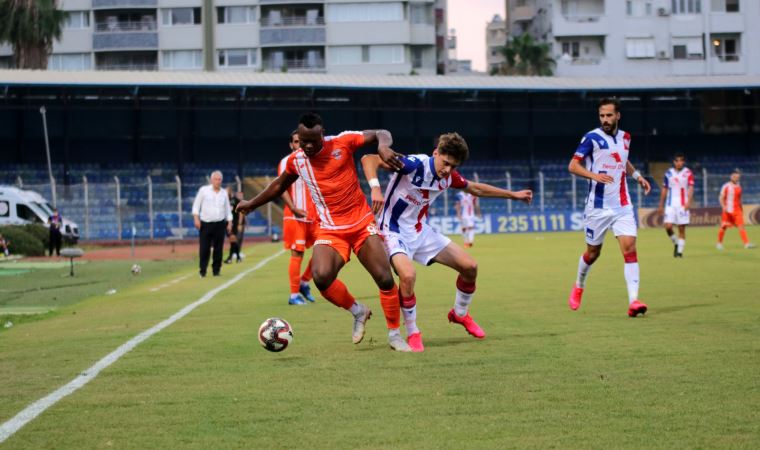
(370,164)
(636,175)
(271,192)
(576,168)
(384,140)
(288,200)
(690,191)
(663,194)
(486,190)
(722,199)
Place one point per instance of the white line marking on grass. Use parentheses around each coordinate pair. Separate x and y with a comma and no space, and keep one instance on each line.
(169,283)
(29,413)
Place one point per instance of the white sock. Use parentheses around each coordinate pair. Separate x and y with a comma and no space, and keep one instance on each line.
(471,235)
(681,245)
(304,283)
(393,332)
(356,308)
(583,270)
(631,271)
(673,238)
(295,295)
(464,236)
(462,303)
(410,320)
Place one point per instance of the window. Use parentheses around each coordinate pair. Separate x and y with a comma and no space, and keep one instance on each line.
(5,209)
(26,213)
(236,14)
(348,54)
(572,49)
(638,8)
(418,57)
(182,59)
(639,48)
(725,5)
(70,61)
(240,57)
(365,12)
(726,48)
(386,54)
(687,48)
(686,6)
(77,20)
(423,14)
(629,8)
(181,16)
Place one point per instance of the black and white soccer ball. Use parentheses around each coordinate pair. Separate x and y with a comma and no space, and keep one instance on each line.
(275,334)
(136,269)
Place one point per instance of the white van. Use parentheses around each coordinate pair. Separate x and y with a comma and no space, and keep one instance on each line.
(20,207)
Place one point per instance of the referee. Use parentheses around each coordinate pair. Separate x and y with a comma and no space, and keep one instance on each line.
(212,214)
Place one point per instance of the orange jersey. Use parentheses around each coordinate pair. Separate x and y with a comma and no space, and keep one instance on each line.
(731,194)
(333,182)
(300,195)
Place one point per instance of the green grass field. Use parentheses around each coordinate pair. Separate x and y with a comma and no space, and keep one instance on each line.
(687,375)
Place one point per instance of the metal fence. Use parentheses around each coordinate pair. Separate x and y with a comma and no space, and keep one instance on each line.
(160,209)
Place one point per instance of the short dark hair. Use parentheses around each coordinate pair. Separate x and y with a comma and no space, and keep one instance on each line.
(454,145)
(310,120)
(737,171)
(679,155)
(610,101)
(292,133)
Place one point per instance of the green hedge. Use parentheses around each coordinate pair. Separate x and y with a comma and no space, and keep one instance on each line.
(41,232)
(22,242)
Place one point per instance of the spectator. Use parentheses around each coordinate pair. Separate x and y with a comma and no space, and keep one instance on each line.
(212,215)
(238,226)
(56,222)
(4,243)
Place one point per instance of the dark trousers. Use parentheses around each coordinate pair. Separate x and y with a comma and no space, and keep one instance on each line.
(212,235)
(236,246)
(54,243)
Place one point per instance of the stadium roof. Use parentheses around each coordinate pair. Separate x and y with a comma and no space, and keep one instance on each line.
(258,79)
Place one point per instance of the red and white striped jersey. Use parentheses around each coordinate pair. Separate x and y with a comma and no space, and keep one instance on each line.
(677,184)
(731,193)
(467,204)
(300,195)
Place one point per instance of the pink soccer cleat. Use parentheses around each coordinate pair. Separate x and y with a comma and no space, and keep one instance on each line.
(468,324)
(636,308)
(575,297)
(415,342)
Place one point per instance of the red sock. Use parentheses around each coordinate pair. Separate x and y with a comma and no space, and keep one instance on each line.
(743,234)
(391,308)
(721,233)
(293,269)
(338,295)
(307,272)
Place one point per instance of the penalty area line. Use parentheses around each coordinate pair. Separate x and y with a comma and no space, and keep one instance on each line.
(29,413)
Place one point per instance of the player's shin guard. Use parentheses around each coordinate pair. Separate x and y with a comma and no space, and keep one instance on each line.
(584,266)
(409,309)
(681,244)
(306,276)
(465,291)
(294,270)
(471,235)
(338,295)
(389,300)
(631,271)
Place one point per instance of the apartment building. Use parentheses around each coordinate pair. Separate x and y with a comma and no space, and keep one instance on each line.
(496,38)
(333,36)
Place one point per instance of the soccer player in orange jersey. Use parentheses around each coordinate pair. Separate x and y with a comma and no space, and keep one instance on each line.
(298,230)
(346,223)
(731,202)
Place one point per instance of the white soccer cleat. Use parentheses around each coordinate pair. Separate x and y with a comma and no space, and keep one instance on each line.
(719,246)
(749,245)
(398,343)
(360,322)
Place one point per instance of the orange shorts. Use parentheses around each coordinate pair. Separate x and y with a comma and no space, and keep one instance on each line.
(344,241)
(297,235)
(732,219)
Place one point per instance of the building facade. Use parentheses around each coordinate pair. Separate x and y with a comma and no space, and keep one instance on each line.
(496,38)
(643,37)
(332,36)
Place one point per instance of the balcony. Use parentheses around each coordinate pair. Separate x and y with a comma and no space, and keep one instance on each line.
(125,26)
(295,65)
(524,13)
(127,60)
(107,4)
(580,25)
(129,67)
(291,36)
(297,21)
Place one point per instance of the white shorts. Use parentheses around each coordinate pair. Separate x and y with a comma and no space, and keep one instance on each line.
(421,247)
(467,222)
(677,215)
(597,221)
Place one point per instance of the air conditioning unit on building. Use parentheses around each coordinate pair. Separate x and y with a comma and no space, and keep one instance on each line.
(662,12)
(663,54)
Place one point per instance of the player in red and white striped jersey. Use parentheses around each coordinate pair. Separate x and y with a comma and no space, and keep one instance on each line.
(675,201)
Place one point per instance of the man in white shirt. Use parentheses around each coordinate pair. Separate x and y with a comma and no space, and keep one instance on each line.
(212,215)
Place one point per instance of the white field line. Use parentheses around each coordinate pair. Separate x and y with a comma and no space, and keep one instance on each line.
(169,283)
(29,413)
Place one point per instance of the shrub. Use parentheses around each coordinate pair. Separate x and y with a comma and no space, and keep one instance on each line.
(22,242)
(41,232)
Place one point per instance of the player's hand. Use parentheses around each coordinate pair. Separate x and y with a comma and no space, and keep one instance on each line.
(687,206)
(645,184)
(300,213)
(197,222)
(390,157)
(604,178)
(229,228)
(524,196)
(377,200)
(660,211)
(244,207)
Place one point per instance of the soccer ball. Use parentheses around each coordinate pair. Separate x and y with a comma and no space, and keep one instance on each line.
(275,334)
(136,269)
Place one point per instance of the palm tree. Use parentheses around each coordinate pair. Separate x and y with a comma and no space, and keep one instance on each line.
(30,26)
(525,56)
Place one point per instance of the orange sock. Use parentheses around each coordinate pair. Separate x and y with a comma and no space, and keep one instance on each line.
(721,233)
(293,269)
(391,308)
(743,234)
(307,272)
(338,295)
